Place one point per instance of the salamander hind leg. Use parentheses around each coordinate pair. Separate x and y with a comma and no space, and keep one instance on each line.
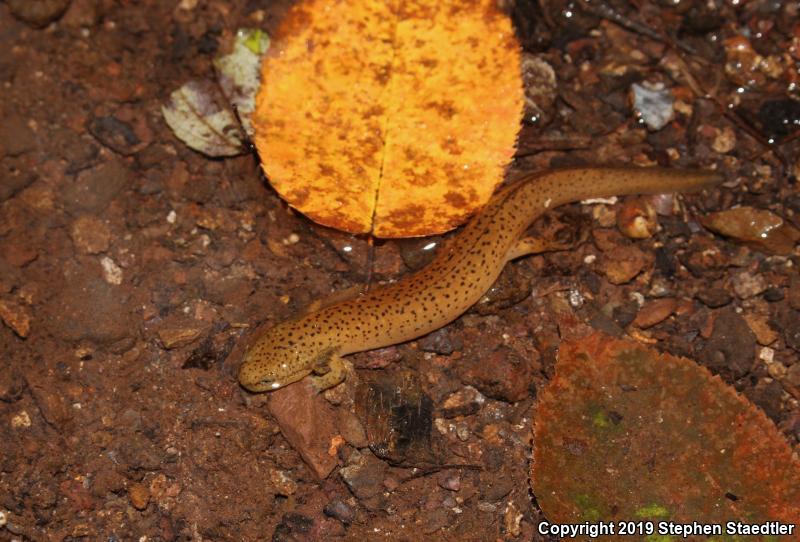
(328,371)
(533,245)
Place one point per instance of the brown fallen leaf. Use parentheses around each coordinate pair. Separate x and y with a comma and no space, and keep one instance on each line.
(395,118)
(625,433)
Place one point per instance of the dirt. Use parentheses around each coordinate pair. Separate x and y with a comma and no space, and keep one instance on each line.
(132,268)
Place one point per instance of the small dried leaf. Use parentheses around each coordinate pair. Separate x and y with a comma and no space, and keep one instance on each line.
(239,73)
(625,433)
(395,118)
(758,227)
(197,119)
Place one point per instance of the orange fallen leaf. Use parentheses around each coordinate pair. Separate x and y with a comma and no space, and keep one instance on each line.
(395,118)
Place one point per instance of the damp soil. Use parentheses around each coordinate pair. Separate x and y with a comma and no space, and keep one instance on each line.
(132,269)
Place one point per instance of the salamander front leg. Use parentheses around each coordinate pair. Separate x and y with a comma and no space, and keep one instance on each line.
(328,373)
(532,245)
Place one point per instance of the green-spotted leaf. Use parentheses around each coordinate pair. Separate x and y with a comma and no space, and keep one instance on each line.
(623,433)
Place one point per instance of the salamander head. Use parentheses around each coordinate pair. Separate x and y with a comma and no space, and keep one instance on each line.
(272,362)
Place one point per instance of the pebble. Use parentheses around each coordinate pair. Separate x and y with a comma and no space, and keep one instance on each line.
(714,297)
(637,218)
(16,317)
(439,342)
(505,375)
(139,495)
(794,292)
(179,336)
(731,346)
(464,402)
(759,324)
(37,13)
(115,134)
(112,273)
(773,294)
(364,478)
(655,311)
(90,234)
(747,285)
(622,264)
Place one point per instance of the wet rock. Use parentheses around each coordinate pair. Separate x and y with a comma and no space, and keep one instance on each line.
(505,375)
(450,481)
(139,495)
(282,483)
(439,342)
(16,137)
(37,13)
(16,317)
(90,309)
(307,422)
(94,188)
(731,347)
(714,297)
(622,264)
(655,311)
(759,228)
(52,405)
(339,509)
(107,480)
(365,477)
(138,452)
(18,251)
(352,430)
(464,402)
(90,235)
(625,313)
(747,285)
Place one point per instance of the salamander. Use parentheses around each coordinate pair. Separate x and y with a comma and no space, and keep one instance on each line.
(460,273)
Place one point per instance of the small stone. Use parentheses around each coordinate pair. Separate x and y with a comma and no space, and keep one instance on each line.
(19,252)
(714,297)
(450,482)
(767,396)
(637,218)
(282,483)
(464,402)
(622,264)
(773,294)
(139,495)
(112,273)
(505,375)
(11,385)
(759,324)
(16,317)
(364,478)
(654,312)
(437,342)
(180,336)
(794,292)
(731,346)
(747,285)
(512,518)
(339,509)
(90,235)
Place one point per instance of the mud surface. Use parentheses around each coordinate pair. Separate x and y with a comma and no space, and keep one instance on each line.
(131,267)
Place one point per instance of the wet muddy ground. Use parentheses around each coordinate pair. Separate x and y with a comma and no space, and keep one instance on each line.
(131,267)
